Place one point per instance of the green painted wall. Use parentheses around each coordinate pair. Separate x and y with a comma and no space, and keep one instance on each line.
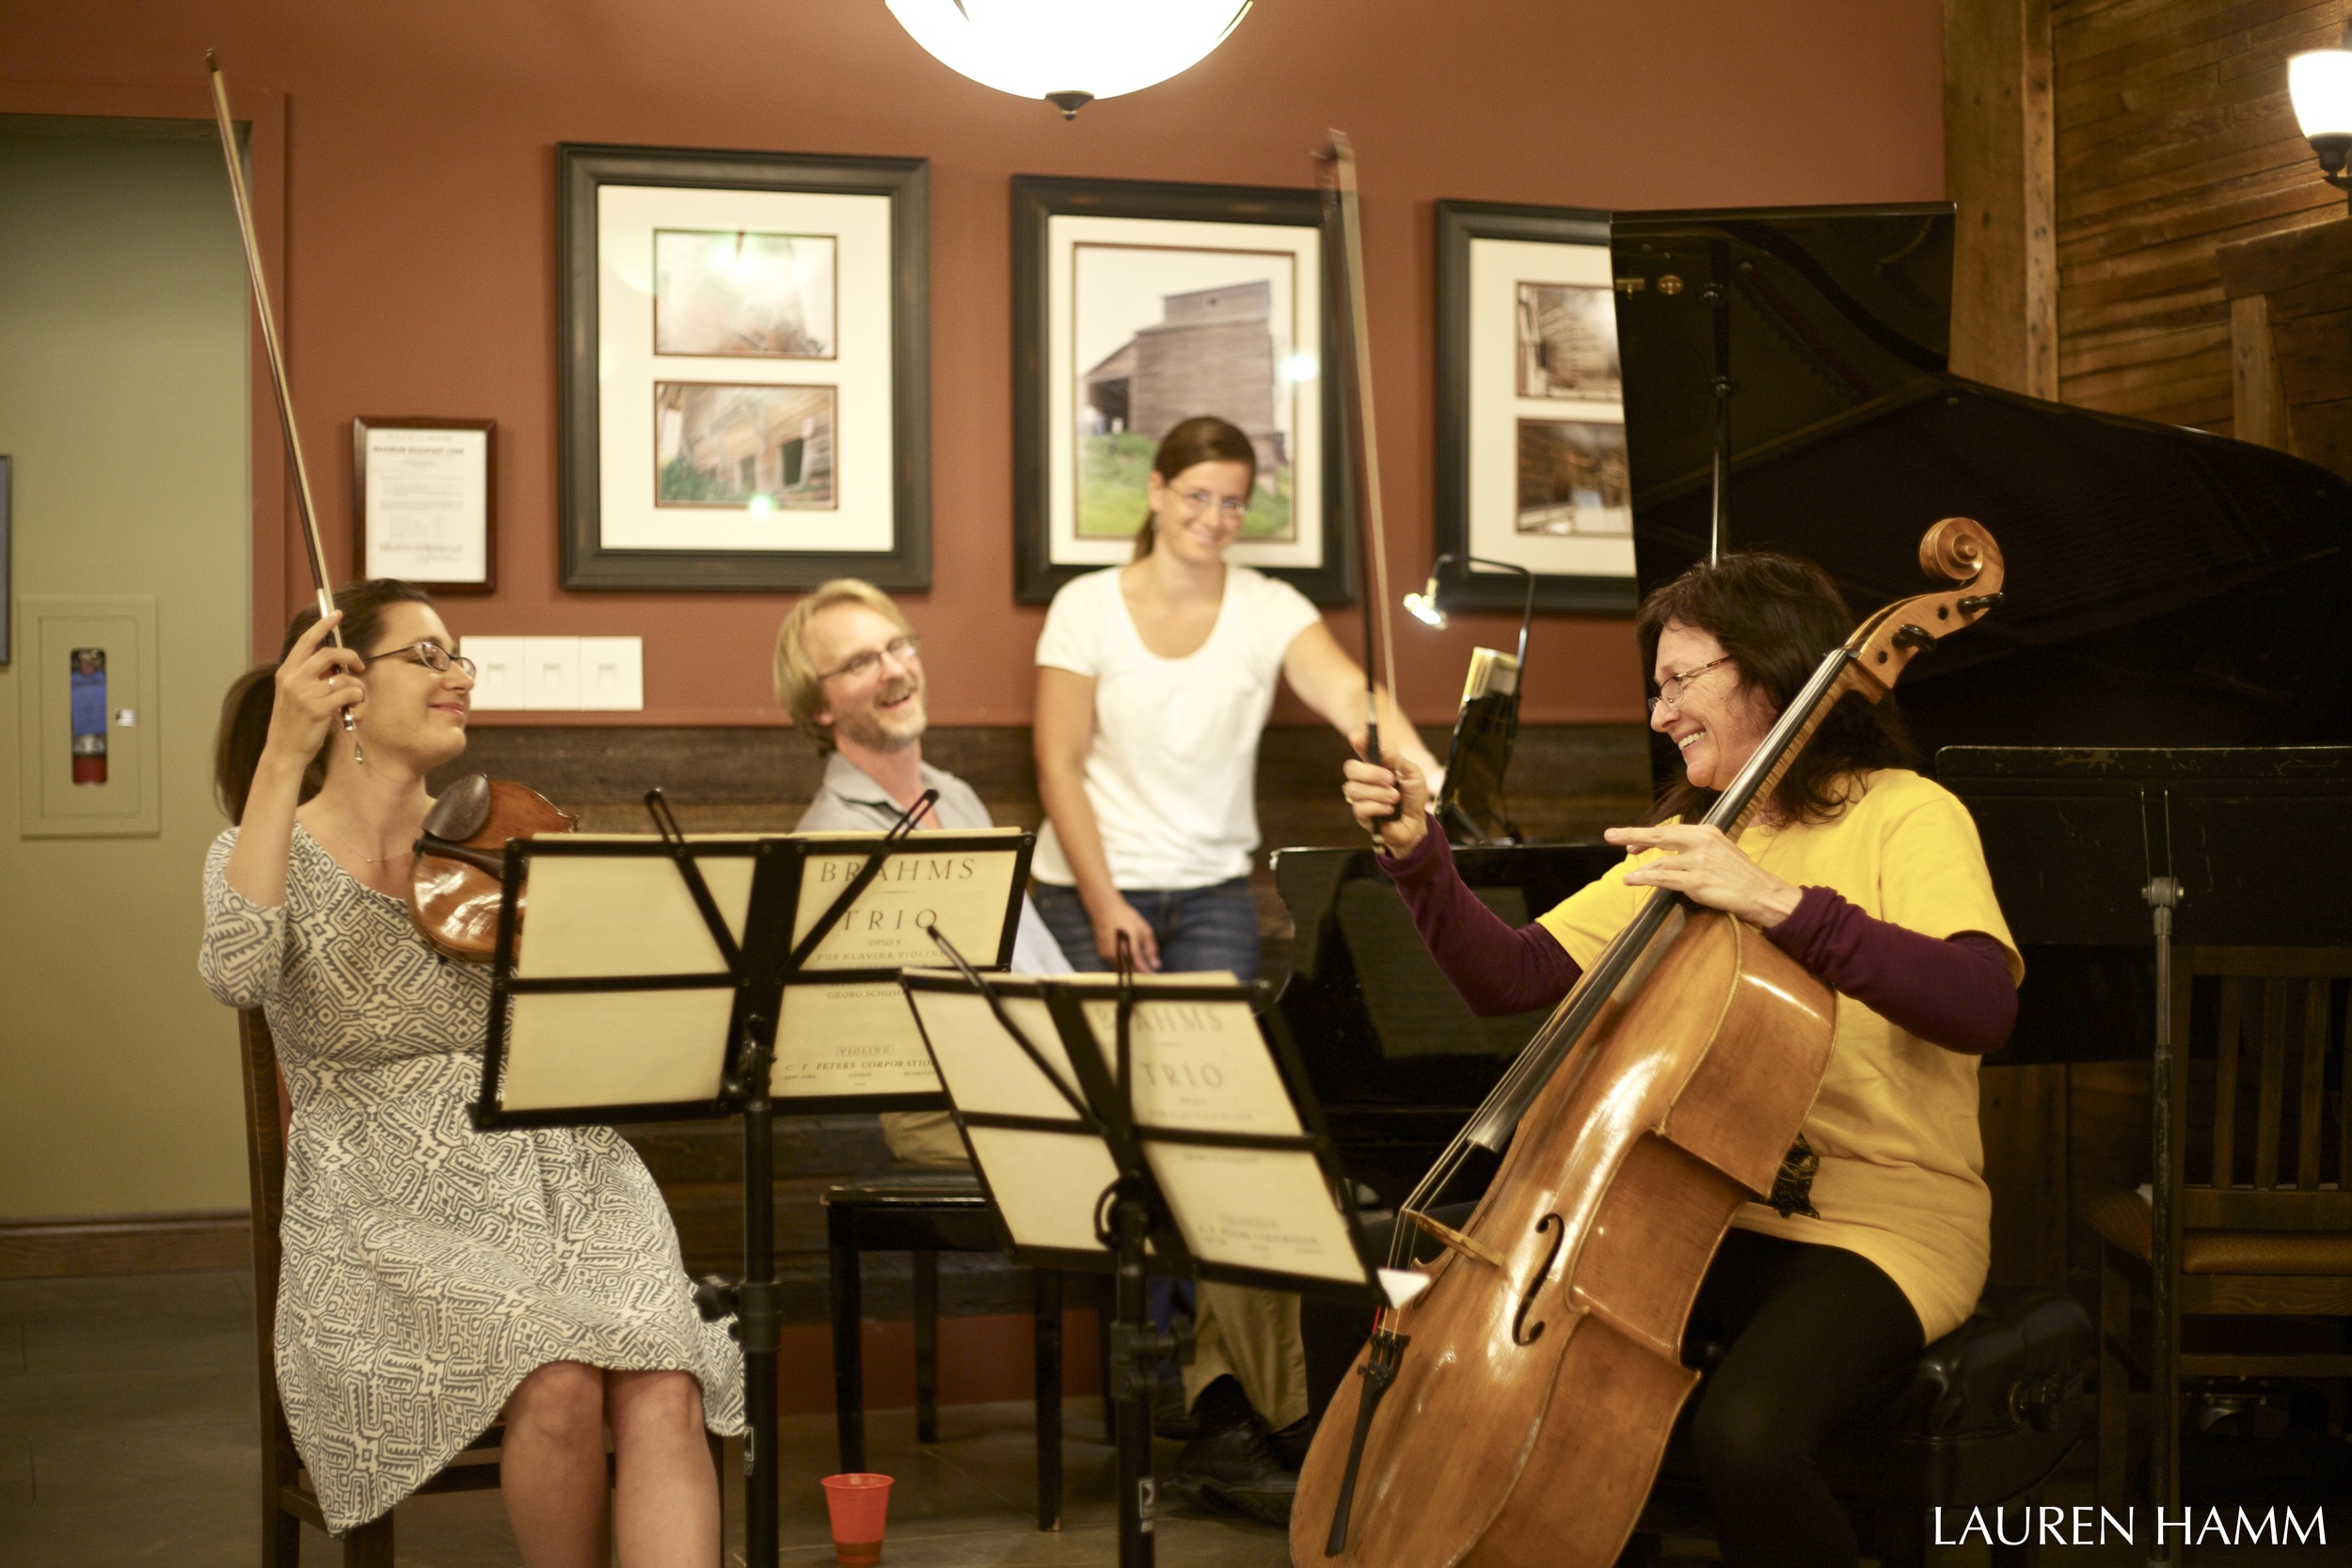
(124,405)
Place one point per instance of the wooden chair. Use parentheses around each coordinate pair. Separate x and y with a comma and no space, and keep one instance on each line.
(2262,1211)
(288,1500)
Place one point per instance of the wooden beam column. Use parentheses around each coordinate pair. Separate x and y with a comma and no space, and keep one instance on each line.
(1999,171)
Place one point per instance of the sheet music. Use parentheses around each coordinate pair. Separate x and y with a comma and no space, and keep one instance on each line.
(852,1037)
(966,890)
(1046,1185)
(568,930)
(1203,1066)
(615,1047)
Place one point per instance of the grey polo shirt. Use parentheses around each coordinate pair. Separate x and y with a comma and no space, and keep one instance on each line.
(850,800)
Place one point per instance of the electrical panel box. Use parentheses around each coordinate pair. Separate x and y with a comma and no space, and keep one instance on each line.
(87,721)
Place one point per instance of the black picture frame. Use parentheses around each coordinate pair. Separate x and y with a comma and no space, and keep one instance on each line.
(7,551)
(361,427)
(1457,224)
(1037,200)
(587,563)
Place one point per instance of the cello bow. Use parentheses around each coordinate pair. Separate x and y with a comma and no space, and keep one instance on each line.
(277,358)
(1336,172)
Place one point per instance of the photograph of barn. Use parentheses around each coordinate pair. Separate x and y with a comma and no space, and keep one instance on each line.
(1214,349)
(1573,479)
(1567,342)
(760,447)
(731,292)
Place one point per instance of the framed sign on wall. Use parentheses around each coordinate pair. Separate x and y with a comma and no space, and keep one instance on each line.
(746,369)
(1530,455)
(425,502)
(1137,305)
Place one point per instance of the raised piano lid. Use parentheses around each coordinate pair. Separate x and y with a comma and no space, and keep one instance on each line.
(2165,586)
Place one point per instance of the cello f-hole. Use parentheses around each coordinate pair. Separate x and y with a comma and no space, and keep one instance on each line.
(1520,1332)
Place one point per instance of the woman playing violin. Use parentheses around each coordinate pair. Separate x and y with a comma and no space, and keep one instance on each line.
(438,1278)
(1875,1239)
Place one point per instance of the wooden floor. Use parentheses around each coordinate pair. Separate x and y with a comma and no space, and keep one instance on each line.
(127,1437)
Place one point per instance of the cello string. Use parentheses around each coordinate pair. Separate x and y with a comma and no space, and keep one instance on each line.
(312,547)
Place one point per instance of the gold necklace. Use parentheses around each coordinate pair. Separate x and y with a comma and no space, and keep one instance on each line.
(371,860)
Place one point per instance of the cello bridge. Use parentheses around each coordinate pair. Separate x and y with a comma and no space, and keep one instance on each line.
(1454,1240)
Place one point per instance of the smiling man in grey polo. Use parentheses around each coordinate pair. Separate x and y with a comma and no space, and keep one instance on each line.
(849,669)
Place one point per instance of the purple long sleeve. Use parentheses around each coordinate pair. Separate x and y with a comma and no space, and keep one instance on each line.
(1494,967)
(1954,992)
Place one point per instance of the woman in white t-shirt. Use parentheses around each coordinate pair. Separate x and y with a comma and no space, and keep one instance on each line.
(1154,682)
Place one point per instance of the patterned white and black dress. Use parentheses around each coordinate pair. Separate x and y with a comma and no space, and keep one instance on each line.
(429,1268)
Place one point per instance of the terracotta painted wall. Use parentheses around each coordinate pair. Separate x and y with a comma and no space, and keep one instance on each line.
(422,227)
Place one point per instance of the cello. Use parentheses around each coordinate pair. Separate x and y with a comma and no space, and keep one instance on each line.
(1515,1409)
(1657,1099)
(456,868)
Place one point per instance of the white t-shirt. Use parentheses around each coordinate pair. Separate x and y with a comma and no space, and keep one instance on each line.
(1172,774)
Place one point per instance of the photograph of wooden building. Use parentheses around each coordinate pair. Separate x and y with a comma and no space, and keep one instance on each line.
(738,445)
(1212,350)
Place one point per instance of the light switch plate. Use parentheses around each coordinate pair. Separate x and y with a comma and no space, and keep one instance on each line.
(613,674)
(498,681)
(551,672)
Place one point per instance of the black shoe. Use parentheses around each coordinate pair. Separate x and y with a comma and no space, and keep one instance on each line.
(1170,1415)
(1290,1444)
(1237,1469)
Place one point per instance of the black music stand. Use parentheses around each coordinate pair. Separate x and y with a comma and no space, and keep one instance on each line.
(670,978)
(2104,823)
(1160,1125)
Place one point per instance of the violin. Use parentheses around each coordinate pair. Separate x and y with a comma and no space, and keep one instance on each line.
(1517,1409)
(456,878)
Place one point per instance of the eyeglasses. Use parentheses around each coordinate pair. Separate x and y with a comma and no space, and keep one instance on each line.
(1670,690)
(903,649)
(1198,501)
(430,655)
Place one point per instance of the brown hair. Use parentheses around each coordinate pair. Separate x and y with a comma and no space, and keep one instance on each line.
(1777,616)
(800,689)
(1202,439)
(244,712)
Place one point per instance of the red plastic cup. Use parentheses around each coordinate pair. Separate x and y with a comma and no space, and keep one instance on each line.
(859,1502)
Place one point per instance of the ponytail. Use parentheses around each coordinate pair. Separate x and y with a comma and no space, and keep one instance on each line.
(245,713)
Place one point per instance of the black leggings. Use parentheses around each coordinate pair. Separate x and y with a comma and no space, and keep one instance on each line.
(1814,1335)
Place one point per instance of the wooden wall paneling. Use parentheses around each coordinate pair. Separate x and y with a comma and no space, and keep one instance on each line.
(2290,298)
(2173,136)
(1998,172)
(139,1243)
(2022,1112)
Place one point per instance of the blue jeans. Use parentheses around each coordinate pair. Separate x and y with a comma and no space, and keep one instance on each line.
(1196,928)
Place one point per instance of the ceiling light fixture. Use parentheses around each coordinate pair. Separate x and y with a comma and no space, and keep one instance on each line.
(1070,51)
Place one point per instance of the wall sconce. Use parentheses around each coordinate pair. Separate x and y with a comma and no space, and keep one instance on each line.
(2319,81)
(1426,610)
(1487,723)
(1070,51)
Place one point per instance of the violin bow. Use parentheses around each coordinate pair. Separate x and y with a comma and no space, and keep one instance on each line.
(1336,172)
(277,367)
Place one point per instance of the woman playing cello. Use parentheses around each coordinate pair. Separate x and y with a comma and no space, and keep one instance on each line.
(1875,1239)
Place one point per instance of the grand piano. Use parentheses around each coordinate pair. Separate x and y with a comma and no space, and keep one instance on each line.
(2167,588)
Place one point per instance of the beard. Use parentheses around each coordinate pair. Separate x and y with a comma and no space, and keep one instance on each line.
(886,728)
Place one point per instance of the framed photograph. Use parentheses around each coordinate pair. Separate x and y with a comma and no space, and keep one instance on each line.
(746,369)
(425,503)
(1138,305)
(1530,452)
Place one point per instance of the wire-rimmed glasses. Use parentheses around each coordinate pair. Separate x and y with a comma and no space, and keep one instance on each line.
(1670,690)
